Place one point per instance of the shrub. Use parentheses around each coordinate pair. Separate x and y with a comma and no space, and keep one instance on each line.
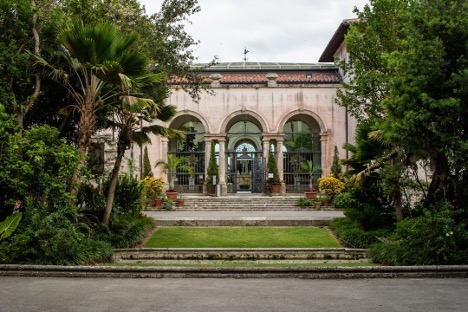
(353,236)
(434,238)
(272,167)
(52,237)
(129,196)
(365,206)
(153,187)
(304,202)
(127,231)
(330,185)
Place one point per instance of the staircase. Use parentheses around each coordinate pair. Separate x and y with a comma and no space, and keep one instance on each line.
(244,203)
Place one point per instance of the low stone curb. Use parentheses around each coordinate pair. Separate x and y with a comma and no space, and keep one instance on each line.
(184,272)
(238,254)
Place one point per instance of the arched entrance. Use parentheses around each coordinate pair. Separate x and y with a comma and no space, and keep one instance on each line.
(245,165)
(301,143)
(191,146)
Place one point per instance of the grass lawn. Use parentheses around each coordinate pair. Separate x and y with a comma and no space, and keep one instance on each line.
(242,237)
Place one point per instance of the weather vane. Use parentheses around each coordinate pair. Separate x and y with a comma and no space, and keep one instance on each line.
(245,54)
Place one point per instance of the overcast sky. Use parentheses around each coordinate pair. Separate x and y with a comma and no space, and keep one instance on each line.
(272,30)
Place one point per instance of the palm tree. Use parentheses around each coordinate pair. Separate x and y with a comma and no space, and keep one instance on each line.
(128,114)
(308,167)
(104,64)
(171,165)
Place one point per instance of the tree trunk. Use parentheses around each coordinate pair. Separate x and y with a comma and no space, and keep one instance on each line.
(113,184)
(85,131)
(397,202)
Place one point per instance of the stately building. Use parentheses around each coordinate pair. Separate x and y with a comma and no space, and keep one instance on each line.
(253,108)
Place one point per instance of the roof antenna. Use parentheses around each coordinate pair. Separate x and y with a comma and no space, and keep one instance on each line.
(245,54)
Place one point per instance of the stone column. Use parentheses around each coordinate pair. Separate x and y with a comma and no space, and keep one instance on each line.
(279,162)
(266,147)
(222,165)
(323,150)
(164,151)
(207,155)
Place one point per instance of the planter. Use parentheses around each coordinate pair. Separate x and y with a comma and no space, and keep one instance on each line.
(275,188)
(158,202)
(180,203)
(172,194)
(167,206)
(210,189)
(310,194)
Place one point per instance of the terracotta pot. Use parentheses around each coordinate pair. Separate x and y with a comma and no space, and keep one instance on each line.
(172,194)
(180,203)
(275,188)
(157,202)
(310,194)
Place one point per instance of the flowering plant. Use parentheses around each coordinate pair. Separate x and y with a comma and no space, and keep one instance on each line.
(153,187)
(330,185)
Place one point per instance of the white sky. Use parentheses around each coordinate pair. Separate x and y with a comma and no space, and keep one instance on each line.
(272,30)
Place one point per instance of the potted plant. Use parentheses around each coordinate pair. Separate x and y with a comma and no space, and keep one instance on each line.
(180,199)
(274,182)
(331,186)
(170,168)
(167,205)
(308,168)
(213,170)
(153,188)
(322,199)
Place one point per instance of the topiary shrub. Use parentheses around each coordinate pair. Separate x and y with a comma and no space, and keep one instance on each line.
(213,169)
(272,167)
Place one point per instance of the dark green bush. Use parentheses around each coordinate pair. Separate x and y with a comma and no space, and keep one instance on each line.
(129,196)
(353,236)
(127,231)
(434,238)
(52,237)
(367,206)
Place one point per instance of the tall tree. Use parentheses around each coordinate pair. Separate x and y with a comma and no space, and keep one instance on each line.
(127,116)
(409,74)
(375,34)
(105,67)
(22,24)
(427,103)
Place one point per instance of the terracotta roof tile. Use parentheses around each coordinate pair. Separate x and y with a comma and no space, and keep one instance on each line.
(260,78)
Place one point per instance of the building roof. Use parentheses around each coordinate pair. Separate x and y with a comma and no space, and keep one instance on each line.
(261,66)
(336,40)
(283,78)
(262,72)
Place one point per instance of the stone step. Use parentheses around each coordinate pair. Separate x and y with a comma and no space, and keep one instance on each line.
(233,254)
(244,203)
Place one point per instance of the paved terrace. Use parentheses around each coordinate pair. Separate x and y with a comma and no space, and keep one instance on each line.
(304,217)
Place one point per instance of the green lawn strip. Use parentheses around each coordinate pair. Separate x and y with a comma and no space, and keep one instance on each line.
(242,237)
(246,265)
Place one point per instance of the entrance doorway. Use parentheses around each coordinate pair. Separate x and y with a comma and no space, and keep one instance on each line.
(245,170)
